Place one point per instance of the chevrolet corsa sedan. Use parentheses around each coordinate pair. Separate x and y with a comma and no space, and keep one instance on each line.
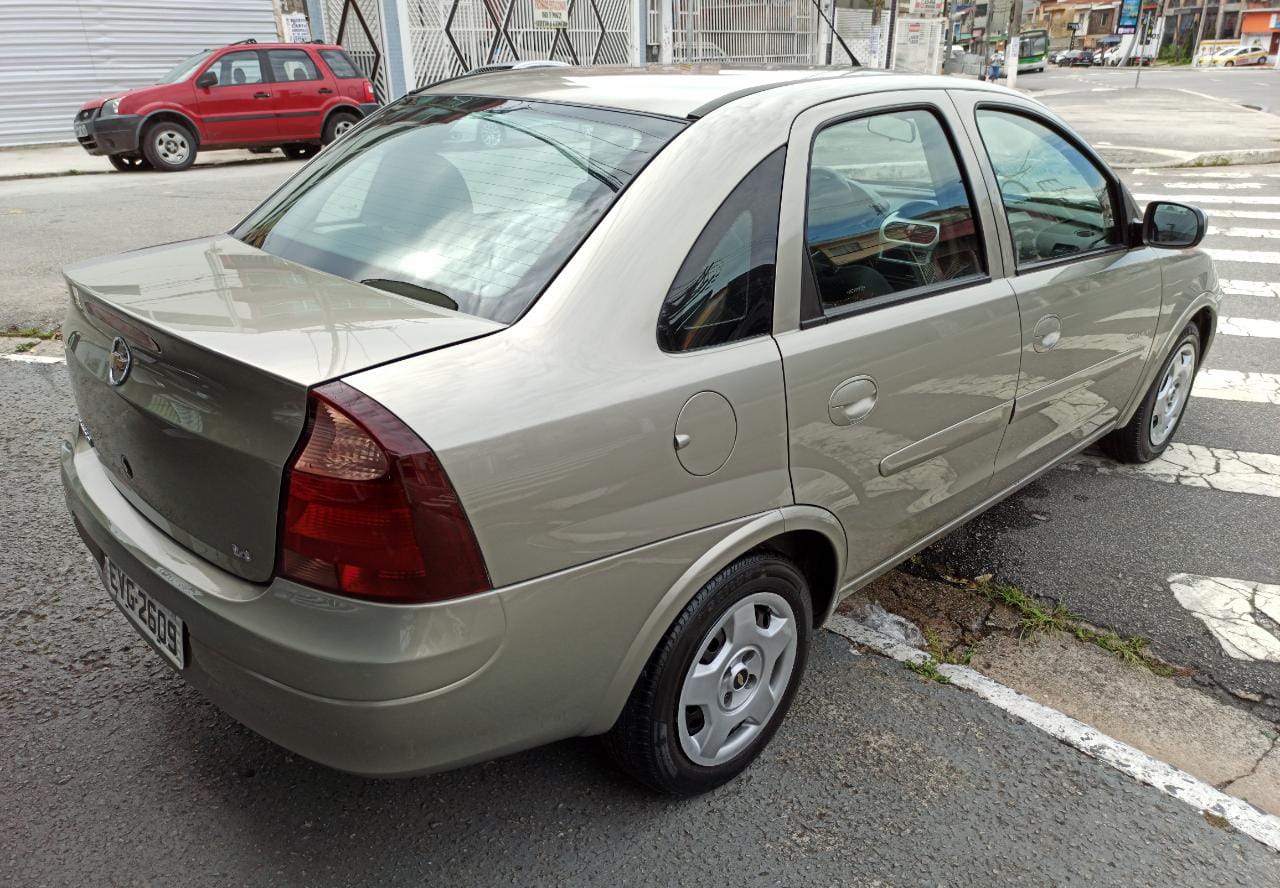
(456,446)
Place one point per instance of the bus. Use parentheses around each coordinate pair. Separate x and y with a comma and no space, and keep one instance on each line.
(1033,50)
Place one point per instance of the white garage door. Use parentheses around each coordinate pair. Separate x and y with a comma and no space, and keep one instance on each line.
(56,55)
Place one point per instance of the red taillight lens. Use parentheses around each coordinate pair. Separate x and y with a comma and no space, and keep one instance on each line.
(368,92)
(369,512)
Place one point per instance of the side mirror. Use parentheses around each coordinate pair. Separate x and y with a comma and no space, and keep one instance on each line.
(206,80)
(1173,226)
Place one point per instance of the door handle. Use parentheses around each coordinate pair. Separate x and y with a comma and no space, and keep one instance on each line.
(262,95)
(325,91)
(852,400)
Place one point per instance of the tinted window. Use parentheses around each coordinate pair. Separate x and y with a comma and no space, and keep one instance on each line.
(292,64)
(467,202)
(1057,202)
(185,68)
(238,69)
(724,290)
(341,66)
(888,210)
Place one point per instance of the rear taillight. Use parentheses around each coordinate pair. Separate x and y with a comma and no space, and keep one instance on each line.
(368,92)
(369,512)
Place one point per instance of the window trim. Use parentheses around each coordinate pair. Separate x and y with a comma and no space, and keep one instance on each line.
(1120,205)
(813,298)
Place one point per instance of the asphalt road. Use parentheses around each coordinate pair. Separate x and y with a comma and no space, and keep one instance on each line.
(1258,87)
(117,773)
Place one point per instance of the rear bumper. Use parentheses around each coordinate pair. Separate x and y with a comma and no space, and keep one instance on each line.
(386,690)
(108,135)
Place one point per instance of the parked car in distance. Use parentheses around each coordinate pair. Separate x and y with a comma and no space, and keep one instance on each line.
(425,462)
(1236,56)
(292,96)
(1085,58)
(1066,58)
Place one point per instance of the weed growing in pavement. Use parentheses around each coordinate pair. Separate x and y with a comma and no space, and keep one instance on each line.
(940,653)
(24,347)
(928,668)
(30,333)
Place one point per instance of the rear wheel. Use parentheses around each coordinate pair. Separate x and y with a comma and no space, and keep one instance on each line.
(299,151)
(129,163)
(721,681)
(1152,427)
(169,146)
(337,124)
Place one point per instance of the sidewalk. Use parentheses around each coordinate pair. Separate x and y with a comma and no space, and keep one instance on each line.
(39,161)
(1167,127)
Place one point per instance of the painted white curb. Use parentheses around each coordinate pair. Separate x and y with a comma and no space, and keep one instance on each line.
(1172,781)
(35,359)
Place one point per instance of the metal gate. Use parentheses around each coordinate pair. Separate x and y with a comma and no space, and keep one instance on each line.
(450,37)
(768,32)
(356,25)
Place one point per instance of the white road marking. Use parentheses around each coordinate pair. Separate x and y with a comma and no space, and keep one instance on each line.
(1258,327)
(1265,257)
(1245,232)
(1236,287)
(1261,215)
(1230,609)
(1224,186)
(34,359)
(1195,174)
(1194,465)
(1124,758)
(1244,199)
(1234,385)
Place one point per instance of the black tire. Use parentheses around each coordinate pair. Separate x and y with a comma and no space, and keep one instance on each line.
(645,741)
(338,123)
(299,151)
(1132,443)
(169,146)
(129,163)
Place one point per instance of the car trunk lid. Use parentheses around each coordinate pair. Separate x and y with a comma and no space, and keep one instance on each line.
(191,364)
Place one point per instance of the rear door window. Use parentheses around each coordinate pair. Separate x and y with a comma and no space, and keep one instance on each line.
(471,203)
(292,64)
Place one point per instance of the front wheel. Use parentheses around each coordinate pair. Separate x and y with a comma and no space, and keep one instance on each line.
(128,163)
(1152,427)
(721,680)
(169,146)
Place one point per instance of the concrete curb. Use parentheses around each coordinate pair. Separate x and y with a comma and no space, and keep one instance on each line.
(58,174)
(1233,157)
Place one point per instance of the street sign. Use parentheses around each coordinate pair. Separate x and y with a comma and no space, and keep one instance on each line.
(551,13)
(1073,26)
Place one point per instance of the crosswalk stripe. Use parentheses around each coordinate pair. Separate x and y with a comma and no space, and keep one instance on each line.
(1224,186)
(1266,257)
(1245,232)
(1256,327)
(1236,287)
(1230,609)
(1235,385)
(1261,215)
(1193,465)
(1259,200)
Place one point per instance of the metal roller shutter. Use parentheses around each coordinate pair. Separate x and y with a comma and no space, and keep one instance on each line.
(56,56)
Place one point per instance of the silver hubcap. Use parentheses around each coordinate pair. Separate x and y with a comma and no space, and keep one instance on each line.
(1172,395)
(737,678)
(341,127)
(172,146)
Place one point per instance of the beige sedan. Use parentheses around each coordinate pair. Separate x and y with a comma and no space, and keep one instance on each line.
(458,445)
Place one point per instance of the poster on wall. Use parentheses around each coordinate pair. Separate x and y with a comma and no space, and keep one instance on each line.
(551,13)
(1129,12)
(295,28)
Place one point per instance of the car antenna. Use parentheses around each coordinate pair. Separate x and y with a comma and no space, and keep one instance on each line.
(853,59)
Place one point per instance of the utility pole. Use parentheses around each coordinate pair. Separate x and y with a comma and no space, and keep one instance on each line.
(1195,50)
(664,31)
(1011,46)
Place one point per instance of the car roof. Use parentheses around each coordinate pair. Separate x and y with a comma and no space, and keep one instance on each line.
(675,90)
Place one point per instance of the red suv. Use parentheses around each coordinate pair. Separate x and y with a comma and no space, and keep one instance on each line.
(294,96)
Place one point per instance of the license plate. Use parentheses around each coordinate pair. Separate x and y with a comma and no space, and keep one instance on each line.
(81,130)
(155,621)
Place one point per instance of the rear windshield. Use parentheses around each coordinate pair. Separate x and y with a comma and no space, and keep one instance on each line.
(467,202)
